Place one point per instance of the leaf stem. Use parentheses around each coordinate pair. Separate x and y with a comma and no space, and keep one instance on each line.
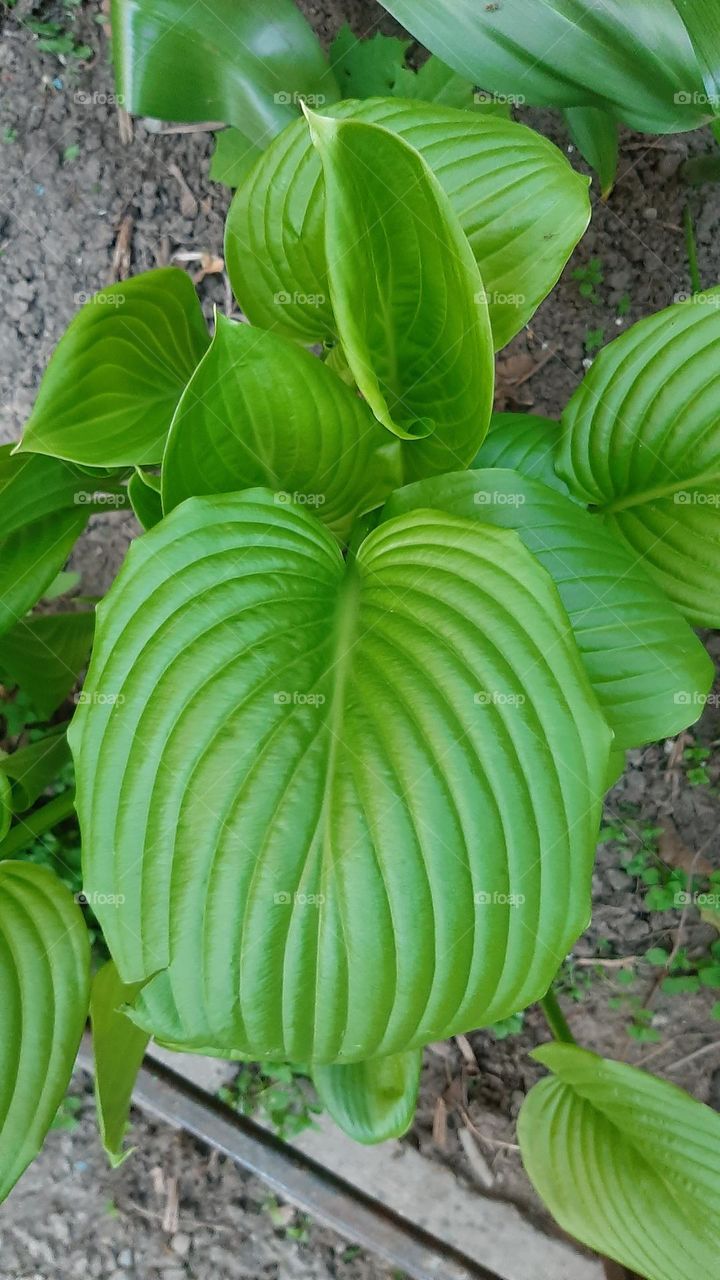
(36,824)
(556,1019)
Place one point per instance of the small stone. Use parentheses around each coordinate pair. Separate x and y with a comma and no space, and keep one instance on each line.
(180,1244)
(650,214)
(125,1258)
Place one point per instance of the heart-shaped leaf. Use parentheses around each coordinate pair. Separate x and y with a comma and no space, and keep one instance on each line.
(521,206)
(350,807)
(632,58)
(649,670)
(522,442)
(260,410)
(406,294)
(45,655)
(626,1163)
(118,1050)
(116,375)
(374,1100)
(641,444)
(236,61)
(44,980)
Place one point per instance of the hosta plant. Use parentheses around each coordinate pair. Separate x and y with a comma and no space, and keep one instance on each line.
(356,694)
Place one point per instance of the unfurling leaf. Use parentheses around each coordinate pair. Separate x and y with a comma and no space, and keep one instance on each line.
(374,1100)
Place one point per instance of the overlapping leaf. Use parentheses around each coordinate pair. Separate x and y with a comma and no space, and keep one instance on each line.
(45,655)
(115,377)
(371,1101)
(262,411)
(350,807)
(627,1163)
(145,499)
(641,444)
(632,58)
(520,204)
(226,60)
(648,668)
(118,1050)
(32,769)
(44,506)
(522,442)
(406,295)
(44,980)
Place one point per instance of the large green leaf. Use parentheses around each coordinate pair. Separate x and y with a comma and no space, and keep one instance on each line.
(642,445)
(406,294)
(45,655)
(350,806)
(116,375)
(44,987)
(702,22)
(520,204)
(238,61)
(260,410)
(44,506)
(374,1100)
(627,1163)
(522,442)
(118,1049)
(649,670)
(631,57)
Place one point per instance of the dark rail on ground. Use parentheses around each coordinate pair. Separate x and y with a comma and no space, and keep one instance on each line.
(306,1184)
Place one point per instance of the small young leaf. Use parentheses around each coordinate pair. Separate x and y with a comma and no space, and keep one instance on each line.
(374,1100)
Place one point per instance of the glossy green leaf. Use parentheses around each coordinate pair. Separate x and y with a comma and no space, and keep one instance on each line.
(33,768)
(632,58)
(44,982)
(351,806)
(522,442)
(118,1049)
(45,655)
(520,204)
(641,444)
(374,1100)
(238,61)
(595,134)
(44,506)
(260,410)
(626,1163)
(648,668)
(116,375)
(233,157)
(145,499)
(406,294)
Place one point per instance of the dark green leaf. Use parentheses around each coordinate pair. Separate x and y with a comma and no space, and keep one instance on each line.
(45,655)
(595,134)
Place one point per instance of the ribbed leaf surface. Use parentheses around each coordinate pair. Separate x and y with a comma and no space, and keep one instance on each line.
(44,987)
(522,442)
(642,445)
(116,375)
(262,411)
(648,668)
(521,206)
(627,1163)
(349,809)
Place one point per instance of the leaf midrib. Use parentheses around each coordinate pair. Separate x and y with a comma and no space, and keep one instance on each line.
(661,491)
